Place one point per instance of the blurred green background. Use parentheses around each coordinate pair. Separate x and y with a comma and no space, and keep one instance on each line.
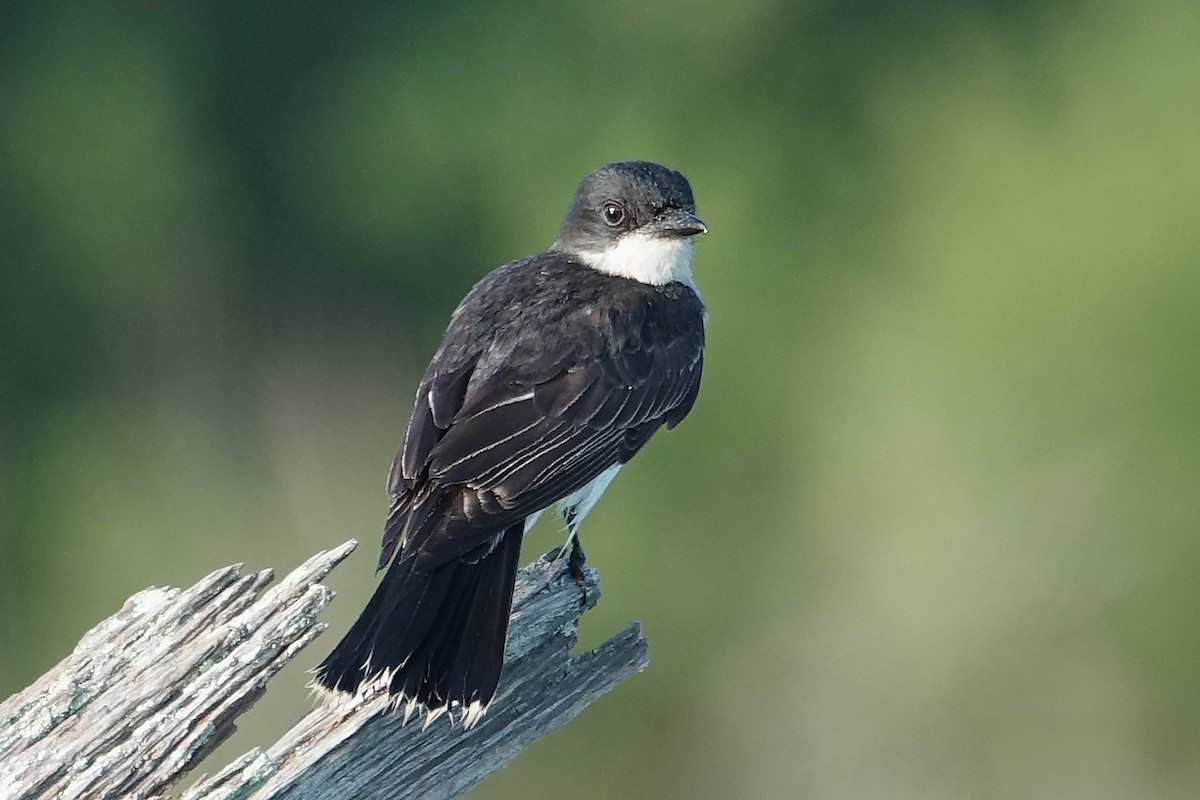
(932,528)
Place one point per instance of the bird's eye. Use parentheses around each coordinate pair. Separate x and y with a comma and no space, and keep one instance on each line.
(613,213)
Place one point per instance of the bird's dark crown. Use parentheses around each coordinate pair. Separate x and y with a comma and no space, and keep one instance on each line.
(644,192)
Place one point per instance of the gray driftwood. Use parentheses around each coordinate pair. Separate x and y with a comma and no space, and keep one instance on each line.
(153,689)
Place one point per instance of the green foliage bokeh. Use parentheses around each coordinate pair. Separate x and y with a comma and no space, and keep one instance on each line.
(931,530)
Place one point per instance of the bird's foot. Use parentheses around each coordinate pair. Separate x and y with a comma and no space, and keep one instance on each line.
(575,558)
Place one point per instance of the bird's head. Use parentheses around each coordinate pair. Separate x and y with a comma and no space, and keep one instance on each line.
(634,219)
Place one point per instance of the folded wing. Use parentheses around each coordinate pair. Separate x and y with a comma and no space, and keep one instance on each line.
(490,451)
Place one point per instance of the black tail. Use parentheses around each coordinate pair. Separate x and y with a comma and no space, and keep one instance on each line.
(438,632)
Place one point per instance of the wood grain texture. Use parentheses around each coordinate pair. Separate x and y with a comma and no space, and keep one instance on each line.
(150,691)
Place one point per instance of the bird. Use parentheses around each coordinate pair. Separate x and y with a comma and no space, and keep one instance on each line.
(553,372)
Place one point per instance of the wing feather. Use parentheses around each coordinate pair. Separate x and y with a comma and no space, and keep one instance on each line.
(490,443)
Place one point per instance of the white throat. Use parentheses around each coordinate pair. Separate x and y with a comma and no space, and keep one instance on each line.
(655,260)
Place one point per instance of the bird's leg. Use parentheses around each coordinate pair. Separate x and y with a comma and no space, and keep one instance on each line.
(576,557)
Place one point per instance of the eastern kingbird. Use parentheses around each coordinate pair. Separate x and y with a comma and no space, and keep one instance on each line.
(554,370)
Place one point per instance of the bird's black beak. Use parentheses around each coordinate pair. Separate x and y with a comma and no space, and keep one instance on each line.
(677,222)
